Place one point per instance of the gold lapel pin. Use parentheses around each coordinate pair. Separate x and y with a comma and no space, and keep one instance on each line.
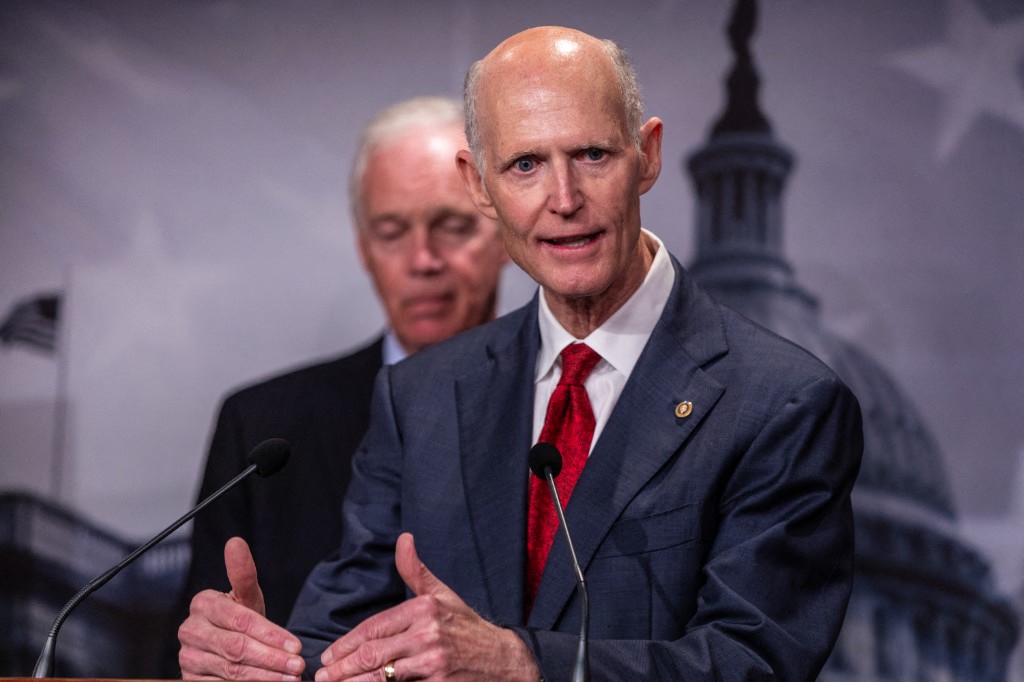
(684,409)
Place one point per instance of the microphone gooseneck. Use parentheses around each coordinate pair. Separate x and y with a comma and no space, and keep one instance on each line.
(265,459)
(546,463)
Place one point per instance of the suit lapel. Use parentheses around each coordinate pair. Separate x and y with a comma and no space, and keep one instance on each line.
(642,434)
(494,400)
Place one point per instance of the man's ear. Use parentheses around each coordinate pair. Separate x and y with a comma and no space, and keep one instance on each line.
(474,183)
(650,150)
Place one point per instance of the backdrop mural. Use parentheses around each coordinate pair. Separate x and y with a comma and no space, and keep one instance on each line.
(174,222)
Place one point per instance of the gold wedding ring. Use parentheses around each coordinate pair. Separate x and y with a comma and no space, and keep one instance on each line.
(389,672)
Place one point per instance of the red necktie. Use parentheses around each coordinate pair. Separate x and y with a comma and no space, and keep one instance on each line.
(569,426)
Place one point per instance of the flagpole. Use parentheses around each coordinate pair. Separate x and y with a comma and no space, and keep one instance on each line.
(60,408)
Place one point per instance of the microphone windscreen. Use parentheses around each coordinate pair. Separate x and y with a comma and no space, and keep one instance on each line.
(545,455)
(270,455)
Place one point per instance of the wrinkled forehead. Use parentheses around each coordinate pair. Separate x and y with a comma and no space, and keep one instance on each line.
(565,86)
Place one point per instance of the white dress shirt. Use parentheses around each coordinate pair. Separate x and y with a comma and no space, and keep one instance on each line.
(392,352)
(619,342)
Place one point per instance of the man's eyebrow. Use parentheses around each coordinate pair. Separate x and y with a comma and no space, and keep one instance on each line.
(445,212)
(391,215)
(506,161)
(606,144)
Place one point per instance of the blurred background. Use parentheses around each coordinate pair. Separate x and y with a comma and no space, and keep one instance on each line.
(174,218)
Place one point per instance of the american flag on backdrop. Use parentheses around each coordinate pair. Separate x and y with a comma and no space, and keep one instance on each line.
(33,322)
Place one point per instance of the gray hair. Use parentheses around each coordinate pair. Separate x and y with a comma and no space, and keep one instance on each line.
(389,123)
(629,86)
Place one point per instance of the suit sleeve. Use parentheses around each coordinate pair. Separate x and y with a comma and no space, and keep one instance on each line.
(779,568)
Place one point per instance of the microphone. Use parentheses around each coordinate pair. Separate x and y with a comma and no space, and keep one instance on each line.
(546,463)
(265,459)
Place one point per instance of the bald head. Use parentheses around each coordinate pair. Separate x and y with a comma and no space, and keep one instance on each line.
(545,58)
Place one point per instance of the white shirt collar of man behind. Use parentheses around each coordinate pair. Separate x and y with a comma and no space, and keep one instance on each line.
(619,342)
(392,352)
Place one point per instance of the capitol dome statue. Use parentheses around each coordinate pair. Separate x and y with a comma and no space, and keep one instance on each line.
(924,604)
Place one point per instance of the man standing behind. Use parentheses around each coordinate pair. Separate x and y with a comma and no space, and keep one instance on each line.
(435,263)
(711,513)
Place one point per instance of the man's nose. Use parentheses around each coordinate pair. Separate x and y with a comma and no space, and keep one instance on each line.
(425,258)
(565,195)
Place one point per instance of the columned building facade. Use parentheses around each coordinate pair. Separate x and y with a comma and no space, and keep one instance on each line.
(924,605)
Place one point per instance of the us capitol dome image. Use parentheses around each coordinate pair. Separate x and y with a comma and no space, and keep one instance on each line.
(924,603)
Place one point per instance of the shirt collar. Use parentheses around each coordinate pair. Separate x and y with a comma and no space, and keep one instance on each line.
(622,337)
(392,352)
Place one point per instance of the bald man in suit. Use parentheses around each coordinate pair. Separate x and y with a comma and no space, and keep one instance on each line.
(711,513)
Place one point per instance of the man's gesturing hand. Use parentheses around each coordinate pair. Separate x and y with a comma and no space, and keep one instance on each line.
(434,636)
(227,636)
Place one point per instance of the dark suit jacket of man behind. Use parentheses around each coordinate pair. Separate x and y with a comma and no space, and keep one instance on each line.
(716,545)
(293,520)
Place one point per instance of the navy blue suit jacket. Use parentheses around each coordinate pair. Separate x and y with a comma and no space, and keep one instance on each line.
(718,545)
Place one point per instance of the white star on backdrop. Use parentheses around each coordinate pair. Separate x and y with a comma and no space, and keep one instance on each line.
(143,306)
(975,69)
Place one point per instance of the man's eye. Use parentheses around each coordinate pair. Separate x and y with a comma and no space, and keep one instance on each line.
(594,154)
(524,165)
(456,227)
(387,231)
